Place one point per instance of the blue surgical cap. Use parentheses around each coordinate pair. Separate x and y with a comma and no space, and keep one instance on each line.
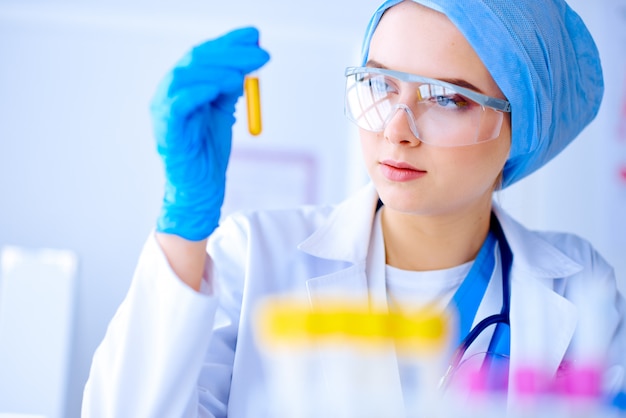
(543,58)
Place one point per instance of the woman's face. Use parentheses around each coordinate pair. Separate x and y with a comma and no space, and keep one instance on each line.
(415,177)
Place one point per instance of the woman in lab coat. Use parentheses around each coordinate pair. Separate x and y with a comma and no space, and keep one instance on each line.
(183,341)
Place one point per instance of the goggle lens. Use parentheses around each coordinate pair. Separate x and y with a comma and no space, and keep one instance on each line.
(437,112)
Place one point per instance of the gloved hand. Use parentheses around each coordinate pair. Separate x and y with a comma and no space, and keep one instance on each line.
(193,114)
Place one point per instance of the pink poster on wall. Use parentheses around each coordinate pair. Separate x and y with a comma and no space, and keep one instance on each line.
(270,179)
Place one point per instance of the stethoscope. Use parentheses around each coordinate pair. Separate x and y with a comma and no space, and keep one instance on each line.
(506,257)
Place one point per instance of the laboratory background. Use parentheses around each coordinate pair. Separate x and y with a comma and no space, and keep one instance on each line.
(81,182)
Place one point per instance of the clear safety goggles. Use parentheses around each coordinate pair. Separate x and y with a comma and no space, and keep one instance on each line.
(438,113)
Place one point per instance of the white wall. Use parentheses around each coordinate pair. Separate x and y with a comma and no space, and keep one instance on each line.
(77,163)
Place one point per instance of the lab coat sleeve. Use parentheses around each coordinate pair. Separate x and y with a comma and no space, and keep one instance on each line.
(150,359)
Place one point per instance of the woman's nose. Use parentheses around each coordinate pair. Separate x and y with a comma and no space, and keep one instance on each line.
(400,127)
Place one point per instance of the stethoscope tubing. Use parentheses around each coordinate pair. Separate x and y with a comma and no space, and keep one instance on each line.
(506,257)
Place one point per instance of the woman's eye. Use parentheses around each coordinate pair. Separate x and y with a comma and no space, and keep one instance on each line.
(377,83)
(451,101)
(442,97)
(381,84)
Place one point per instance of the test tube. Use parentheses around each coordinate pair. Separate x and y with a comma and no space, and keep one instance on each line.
(253,102)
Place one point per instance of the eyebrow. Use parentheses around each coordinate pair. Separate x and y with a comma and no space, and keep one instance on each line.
(456,81)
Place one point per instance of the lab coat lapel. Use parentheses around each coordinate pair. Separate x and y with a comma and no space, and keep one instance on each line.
(376,369)
(348,284)
(344,237)
(542,321)
(542,324)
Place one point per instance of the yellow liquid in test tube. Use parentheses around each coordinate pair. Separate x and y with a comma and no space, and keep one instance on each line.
(253,102)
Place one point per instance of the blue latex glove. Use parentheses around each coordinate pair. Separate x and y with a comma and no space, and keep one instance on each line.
(193,114)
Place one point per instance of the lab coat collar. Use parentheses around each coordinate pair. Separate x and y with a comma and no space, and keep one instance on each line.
(533,254)
(342,236)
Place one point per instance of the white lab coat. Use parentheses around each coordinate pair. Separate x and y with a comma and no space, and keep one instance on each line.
(173,352)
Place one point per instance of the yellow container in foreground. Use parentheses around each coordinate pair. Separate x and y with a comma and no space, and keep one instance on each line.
(426,330)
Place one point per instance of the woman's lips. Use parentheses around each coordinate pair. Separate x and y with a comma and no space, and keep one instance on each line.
(400,171)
